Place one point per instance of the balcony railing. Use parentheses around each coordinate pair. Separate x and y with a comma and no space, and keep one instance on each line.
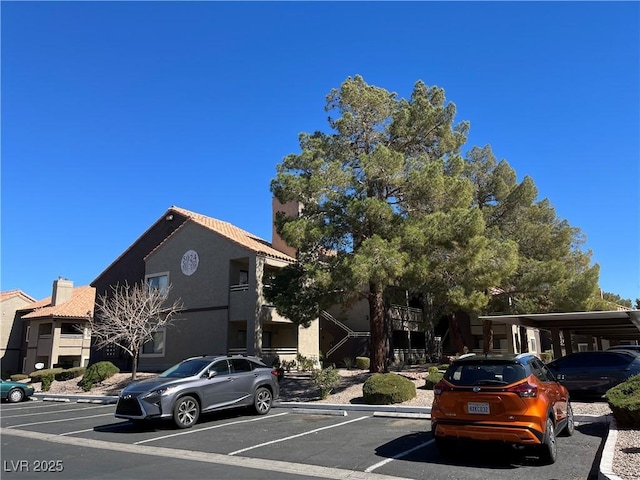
(242,287)
(283,353)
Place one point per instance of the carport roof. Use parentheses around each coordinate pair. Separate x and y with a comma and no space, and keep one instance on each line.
(612,325)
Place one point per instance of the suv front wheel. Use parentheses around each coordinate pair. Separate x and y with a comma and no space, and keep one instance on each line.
(186,412)
(262,401)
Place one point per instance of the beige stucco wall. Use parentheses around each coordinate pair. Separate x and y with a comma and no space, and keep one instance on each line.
(356,317)
(192,334)
(12,334)
(55,345)
(208,291)
(309,340)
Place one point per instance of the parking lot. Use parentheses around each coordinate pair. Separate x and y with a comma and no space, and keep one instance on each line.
(83,440)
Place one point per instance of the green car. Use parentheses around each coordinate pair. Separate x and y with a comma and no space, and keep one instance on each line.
(14,391)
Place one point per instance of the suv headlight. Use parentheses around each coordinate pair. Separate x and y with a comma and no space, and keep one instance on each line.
(158,392)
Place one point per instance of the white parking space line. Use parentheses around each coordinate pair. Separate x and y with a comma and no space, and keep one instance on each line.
(272,466)
(399,455)
(29,407)
(61,420)
(299,435)
(56,411)
(77,431)
(187,432)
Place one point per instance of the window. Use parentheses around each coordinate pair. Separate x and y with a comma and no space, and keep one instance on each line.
(221,367)
(158,282)
(541,371)
(27,335)
(241,338)
(155,347)
(266,339)
(243,278)
(45,329)
(111,350)
(240,365)
(70,329)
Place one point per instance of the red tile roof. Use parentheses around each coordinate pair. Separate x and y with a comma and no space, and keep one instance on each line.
(15,293)
(229,231)
(82,301)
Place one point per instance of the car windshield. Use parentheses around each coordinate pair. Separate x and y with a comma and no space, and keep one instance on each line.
(484,374)
(188,368)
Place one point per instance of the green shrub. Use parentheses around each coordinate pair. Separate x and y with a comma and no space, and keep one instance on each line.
(305,364)
(363,363)
(432,378)
(433,369)
(47,380)
(38,375)
(96,373)
(325,380)
(387,388)
(18,376)
(70,373)
(624,401)
(444,366)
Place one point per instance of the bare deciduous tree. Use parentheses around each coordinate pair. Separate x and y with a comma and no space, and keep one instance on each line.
(130,316)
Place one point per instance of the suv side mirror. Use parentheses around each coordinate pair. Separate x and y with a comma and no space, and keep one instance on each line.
(211,374)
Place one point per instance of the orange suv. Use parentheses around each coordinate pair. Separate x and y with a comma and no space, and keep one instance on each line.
(513,399)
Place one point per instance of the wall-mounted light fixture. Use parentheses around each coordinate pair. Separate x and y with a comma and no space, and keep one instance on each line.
(168,218)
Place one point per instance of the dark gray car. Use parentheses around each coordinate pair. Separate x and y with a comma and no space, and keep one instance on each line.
(201,384)
(594,373)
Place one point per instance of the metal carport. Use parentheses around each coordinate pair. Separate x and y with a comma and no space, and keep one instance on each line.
(619,325)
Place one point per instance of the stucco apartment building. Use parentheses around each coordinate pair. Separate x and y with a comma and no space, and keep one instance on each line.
(12,330)
(218,271)
(56,328)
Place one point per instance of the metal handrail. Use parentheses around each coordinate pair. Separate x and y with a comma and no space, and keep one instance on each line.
(331,318)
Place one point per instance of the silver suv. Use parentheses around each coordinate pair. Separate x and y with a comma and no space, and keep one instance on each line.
(201,384)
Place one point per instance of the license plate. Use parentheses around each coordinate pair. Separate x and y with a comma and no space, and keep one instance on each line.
(478,407)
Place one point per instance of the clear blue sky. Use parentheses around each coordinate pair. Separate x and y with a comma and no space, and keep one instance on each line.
(114,111)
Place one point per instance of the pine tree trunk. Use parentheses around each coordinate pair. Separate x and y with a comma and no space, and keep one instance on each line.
(456,334)
(488,336)
(378,341)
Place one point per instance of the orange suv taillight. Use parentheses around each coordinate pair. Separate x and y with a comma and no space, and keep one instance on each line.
(524,390)
(440,387)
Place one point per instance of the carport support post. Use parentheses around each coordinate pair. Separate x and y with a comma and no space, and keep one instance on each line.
(568,347)
(555,341)
(599,343)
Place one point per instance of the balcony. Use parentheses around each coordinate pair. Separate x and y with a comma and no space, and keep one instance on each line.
(269,314)
(283,353)
(68,340)
(406,319)
(241,302)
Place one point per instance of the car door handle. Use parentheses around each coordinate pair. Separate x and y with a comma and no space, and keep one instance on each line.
(230,379)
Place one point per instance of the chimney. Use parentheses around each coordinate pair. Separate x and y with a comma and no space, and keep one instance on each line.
(62,291)
(291,209)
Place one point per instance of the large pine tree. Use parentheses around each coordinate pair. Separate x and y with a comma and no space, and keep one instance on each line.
(384,203)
